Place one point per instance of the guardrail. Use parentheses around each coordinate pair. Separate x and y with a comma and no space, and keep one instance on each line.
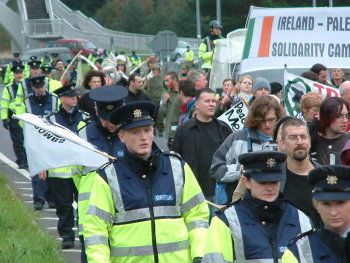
(43,28)
(99,35)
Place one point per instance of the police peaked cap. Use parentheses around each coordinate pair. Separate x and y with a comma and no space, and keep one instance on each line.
(34,63)
(17,68)
(264,166)
(108,98)
(66,90)
(46,68)
(330,182)
(37,82)
(132,115)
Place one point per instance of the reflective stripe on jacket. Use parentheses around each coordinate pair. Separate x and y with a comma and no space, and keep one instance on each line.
(93,133)
(130,222)
(310,249)
(242,238)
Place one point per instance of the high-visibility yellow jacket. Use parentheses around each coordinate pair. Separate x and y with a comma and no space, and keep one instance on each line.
(91,132)
(8,100)
(189,56)
(10,76)
(25,90)
(205,51)
(236,235)
(129,220)
(315,247)
(135,61)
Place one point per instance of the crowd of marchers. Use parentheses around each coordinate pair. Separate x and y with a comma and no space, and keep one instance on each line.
(276,190)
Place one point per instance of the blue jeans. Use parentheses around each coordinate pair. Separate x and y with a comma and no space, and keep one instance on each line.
(39,189)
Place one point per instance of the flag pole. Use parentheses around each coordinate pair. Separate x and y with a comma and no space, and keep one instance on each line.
(214,205)
(70,64)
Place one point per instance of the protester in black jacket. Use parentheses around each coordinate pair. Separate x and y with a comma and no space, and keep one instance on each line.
(198,139)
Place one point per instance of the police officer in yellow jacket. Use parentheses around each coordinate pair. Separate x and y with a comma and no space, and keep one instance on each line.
(206,48)
(9,76)
(258,227)
(102,134)
(189,56)
(8,108)
(60,179)
(146,206)
(135,59)
(331,243)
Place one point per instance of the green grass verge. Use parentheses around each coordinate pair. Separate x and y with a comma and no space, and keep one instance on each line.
(21,239)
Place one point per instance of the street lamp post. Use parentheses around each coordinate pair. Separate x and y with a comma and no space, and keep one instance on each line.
(218,10)
(198,20)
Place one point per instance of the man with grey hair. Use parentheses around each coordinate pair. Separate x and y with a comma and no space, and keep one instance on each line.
(197,77)
(344,90)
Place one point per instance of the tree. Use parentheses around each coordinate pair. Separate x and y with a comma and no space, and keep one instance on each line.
(133,15)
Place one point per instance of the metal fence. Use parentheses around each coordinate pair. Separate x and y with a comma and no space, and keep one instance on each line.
(43,28)
(77,25)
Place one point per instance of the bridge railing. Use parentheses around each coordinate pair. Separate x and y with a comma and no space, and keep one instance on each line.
(43,28)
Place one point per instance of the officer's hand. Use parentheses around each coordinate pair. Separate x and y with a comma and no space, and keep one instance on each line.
(42,175)
(5,123)
(197,260)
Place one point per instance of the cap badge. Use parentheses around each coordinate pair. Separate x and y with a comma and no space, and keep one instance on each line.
(109,107)
(271,162)
(137,113)
(332,179)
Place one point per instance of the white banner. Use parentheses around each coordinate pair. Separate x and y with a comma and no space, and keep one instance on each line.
(298,37)
(49,145)
(235,116)
(295,87)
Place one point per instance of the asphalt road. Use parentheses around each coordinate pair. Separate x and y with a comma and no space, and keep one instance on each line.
(19,180)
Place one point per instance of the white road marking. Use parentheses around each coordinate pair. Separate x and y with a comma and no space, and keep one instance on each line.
(60,238)
(28,195)
(71,250)
(13,165)
(54,228)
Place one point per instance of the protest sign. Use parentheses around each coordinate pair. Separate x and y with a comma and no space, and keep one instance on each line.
(235,116)
(298,37)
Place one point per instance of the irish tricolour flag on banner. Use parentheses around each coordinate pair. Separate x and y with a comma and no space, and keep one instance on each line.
(295,87)
(258,28)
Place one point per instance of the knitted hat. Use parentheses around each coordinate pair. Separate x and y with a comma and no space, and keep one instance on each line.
(261,83)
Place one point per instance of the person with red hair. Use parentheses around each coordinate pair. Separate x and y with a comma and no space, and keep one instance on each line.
(331,134)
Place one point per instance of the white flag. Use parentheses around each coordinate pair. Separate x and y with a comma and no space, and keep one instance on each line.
(49,145)
(295,87)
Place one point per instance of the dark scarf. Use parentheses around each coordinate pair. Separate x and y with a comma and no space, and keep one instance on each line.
(140,166)
(339,245)
(269,212)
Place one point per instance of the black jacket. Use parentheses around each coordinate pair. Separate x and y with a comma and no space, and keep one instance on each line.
(186,141)
(140,96)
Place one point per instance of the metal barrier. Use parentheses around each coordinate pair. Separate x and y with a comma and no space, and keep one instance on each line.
(77,25)
(43,28)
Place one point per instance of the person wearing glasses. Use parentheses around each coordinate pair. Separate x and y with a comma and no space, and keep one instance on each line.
(294,140)
(330,134)
(257,135)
